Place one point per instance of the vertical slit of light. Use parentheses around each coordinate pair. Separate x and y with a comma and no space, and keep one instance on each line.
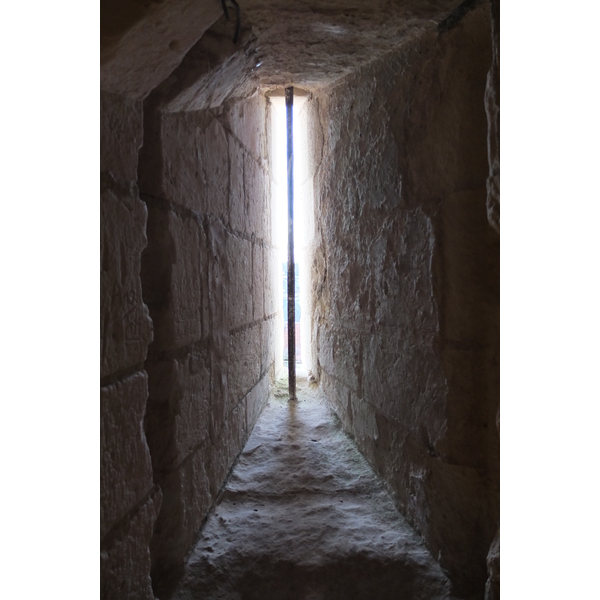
(289,105)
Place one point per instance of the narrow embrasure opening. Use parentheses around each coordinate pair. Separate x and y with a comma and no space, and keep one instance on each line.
(302,190)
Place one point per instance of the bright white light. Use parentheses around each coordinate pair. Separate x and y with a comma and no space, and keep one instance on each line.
(279,202)
(279,185)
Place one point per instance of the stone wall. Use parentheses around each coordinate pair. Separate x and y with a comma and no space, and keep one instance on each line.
(129,500)
(405,273)
(188,276)
(207,277)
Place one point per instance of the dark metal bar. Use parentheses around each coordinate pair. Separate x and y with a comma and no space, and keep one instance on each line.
(289,105)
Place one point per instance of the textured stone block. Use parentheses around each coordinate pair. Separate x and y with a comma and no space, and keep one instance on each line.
(237,198)
(255,189)
(239,252)
(190,490)
(219,284)
(272,281)
(184,171)
(125,466)
(186,499)
(255,402)
(145,43)
(125,326)
(247,120)
(121,135)
(405,380)
(258,283)
(179,405)
(214,149)
(125,557)
(269,334)
(175,275)
(244,361)
(187,279)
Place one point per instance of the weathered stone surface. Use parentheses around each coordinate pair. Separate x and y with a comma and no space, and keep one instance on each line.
(125,327)
(258,283)
(125,466)
(120,135)
(303,516)
(179,407)
(255,401)
(247,120)
(269,332)
(405,286)
(237,197)
(188,493)
(142,44)
(174,272)
(125,555)
(220,288)
(239,253)
(244,362)
(403,324)
(214,156)
(183,172)
(272,281)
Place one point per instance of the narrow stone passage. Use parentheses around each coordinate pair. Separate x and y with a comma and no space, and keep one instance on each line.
(304,517)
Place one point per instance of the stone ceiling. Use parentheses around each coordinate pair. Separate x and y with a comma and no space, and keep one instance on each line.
(307,43)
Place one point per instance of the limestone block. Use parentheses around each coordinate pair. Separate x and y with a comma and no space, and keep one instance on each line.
(126,328)
(143,45)
(125,466)
(121,135)
(327,350)
(255,401)
(244,362)
(258,283)
(175,279)
(272,281)
(454,518)
(404,378)
(214,154)
(178,413)
(246,119)
(239,252)
(220,400)
(220,288)
(255,189)
(269,333)
(339,395)
(188,274)
(186,499)
(237,198)
(189,491)
(347,358)
(238,432)
(184,170)
(125,556)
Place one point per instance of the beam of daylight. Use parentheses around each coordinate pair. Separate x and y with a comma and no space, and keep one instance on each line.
(289,105)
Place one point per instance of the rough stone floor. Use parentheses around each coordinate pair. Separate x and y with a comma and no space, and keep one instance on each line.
(304,517)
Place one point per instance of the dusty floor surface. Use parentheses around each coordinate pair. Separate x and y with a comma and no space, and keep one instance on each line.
(304,517)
